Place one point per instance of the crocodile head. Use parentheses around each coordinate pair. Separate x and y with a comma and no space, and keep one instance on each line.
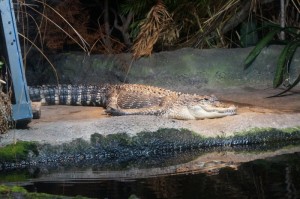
(210,108)
(201,107)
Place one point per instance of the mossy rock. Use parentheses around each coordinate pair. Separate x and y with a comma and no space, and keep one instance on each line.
(18,151)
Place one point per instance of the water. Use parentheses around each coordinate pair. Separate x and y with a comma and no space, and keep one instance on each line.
(217,174)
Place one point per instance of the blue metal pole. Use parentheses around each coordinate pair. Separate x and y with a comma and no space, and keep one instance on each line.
(22,108)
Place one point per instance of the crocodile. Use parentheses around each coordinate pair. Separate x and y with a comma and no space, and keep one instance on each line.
(134,99)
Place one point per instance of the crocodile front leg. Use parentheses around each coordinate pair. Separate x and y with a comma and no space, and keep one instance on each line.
(155,110)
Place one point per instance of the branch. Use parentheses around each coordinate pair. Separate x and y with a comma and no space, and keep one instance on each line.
(124,27)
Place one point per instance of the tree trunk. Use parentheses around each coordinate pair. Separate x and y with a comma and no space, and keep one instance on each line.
(107,28)
(282,19)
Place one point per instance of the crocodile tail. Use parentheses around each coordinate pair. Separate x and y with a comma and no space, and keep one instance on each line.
(85,95)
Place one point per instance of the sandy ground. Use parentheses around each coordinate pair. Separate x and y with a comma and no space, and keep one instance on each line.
(59,124)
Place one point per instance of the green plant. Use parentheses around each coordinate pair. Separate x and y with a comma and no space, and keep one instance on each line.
(285,57)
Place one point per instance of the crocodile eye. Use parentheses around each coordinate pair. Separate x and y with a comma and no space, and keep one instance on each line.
(205,98)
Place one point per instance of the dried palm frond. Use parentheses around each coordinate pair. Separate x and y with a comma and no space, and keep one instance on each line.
(5,112)
(156,21)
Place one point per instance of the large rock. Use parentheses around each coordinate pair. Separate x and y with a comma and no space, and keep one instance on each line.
(191,68)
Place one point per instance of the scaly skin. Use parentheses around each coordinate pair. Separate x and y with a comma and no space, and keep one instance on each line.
(135,99)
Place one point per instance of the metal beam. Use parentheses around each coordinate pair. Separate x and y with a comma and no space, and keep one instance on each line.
(22,107)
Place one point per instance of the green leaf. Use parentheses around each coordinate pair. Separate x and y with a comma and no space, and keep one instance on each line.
(284,62)
(261,44)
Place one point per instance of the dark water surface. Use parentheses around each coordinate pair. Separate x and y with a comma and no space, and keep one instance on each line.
(217,174)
